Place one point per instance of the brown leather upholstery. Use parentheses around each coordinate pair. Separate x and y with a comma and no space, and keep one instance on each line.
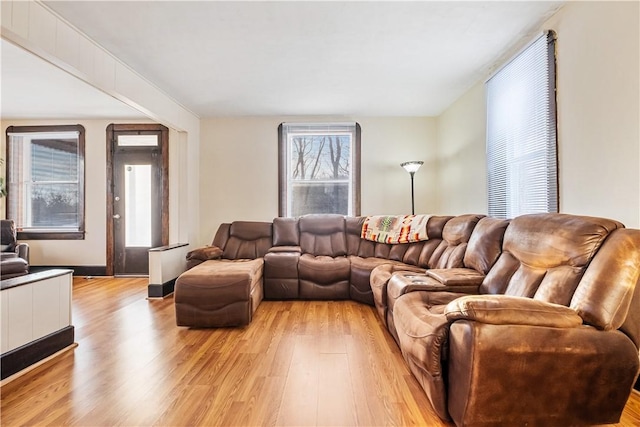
(448,252)
(323,235)
(323,267)
(219,241)
(281,273)
(13,266)
(324,277)
(485,244)
(530,321)
(360,278)
(604,295)
(422,335)
(219,293)
(281,261)
(248,240)
(455,235)
(544,256)
(286,232)
(14,257)
(523,355)
(380,275)
(225,292)
(536,375)
(366,255)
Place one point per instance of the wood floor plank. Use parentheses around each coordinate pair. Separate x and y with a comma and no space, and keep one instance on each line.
(298,363)
(336,406)
(301,387)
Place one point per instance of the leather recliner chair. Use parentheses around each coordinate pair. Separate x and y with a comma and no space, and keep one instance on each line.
(14,257)
(549,338)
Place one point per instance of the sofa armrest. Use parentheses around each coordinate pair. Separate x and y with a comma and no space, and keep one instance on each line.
(511,310)
(456,276)
(22,249)
(403,282)
(536,374)
(204,253)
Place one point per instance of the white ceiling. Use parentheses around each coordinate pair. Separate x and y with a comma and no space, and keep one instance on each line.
(35,89)
(353,58)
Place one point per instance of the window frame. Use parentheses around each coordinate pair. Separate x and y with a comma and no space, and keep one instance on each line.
(502,159)
(52,234)
(284,178)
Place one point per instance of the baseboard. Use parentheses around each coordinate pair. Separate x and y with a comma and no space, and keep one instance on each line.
(25,371)
(161,291)
(22,357)
(78,270)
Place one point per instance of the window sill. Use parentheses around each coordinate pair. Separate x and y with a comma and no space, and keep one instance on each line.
(50,235)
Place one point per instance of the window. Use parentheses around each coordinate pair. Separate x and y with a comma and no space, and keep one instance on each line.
(319,168)
(522,167)
(45,181)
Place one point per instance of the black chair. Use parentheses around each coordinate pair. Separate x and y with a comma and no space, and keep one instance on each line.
(14,256)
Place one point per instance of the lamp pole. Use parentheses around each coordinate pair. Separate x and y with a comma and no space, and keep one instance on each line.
(413,208)
(412,167)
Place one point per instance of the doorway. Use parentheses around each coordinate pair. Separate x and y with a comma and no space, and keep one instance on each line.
(137,196)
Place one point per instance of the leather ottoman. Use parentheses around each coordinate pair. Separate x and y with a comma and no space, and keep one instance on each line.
(219,293)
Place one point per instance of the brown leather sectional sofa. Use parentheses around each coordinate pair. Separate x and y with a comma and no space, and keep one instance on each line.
(533,321)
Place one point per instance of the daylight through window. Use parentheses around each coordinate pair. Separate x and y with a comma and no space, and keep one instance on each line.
(45,181)
(521,133)
(319,169)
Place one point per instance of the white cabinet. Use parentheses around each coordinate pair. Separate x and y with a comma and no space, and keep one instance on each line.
(34,306)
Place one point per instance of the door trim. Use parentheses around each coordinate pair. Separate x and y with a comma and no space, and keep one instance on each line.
(164,149)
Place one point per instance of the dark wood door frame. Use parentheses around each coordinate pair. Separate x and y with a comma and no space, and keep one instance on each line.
(164,149)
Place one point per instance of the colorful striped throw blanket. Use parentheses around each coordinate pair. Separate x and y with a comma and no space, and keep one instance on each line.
(395,228)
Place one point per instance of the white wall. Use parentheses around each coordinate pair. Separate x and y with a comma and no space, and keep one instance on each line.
(34,27)
(599,109)
(462,169)
(239,167)
(598,54)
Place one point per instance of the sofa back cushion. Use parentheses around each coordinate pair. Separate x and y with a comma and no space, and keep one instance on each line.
(417,253)
(607,296)
(7,234)
(355,245)
(323,235)
(485,244)
(286,232)
(545,255)
(455,234)
(247,240)
(222,235)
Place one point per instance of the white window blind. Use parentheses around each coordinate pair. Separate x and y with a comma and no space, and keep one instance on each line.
(45,181)
(521,133)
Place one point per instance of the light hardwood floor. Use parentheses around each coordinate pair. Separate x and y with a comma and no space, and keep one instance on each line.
(299,363)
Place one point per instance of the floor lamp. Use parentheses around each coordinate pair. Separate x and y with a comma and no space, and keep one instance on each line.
(412,167)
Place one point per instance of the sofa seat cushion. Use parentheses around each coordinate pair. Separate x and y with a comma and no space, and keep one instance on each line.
(219,293)
(403,282)
(8,255)
(435,293)
(324,277)
(423,333)
(379,281)
(361,269)
(13,267)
